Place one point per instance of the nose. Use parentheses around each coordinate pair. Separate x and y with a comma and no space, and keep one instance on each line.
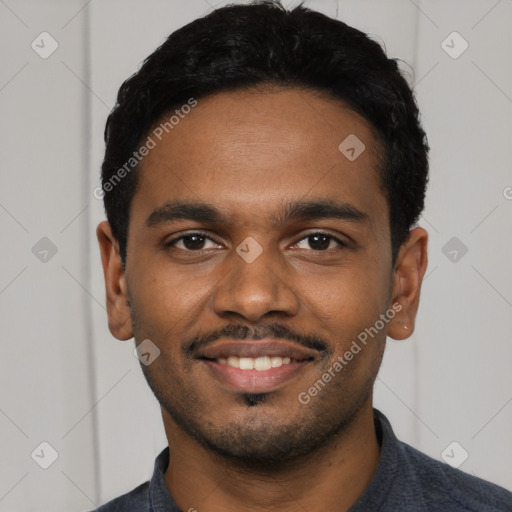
(254,289)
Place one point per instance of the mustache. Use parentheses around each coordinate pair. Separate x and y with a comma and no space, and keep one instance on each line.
(244,332)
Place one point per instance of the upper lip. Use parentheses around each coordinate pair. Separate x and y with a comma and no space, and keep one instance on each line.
(257,348)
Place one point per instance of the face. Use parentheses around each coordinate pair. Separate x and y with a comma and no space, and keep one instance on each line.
(257,253)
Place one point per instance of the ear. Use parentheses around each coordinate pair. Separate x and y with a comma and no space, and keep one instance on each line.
(410,266)
(118,305)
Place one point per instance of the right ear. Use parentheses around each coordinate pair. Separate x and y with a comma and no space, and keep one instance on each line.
(118,304)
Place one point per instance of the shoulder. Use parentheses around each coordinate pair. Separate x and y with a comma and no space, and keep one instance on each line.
(445,488)
(133,501)
(409,480)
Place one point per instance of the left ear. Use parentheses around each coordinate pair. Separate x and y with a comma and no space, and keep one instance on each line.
(410,266)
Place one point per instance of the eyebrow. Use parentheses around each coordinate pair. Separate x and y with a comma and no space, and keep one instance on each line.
(171,212)
(320,209)
(292,211)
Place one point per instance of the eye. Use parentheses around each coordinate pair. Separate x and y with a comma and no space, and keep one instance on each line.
(319,242)
(192,242)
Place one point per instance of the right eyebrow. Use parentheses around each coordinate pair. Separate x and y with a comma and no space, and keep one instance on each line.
(170,212)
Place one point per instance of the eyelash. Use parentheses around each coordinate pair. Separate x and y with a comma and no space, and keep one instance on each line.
(172,243)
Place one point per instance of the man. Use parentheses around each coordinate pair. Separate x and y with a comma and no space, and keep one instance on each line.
(263,173)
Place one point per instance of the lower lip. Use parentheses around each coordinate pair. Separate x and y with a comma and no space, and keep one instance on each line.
(255,381)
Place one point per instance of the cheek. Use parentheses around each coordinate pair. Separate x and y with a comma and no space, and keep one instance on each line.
(346,308)
(166,302)
(352,296)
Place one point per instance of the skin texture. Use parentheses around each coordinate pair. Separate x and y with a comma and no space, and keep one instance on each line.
(248,153)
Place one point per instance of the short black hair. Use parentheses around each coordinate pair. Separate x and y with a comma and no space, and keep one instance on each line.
(262,43)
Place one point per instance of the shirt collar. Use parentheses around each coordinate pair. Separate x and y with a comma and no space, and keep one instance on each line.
(159,498)
(377,492)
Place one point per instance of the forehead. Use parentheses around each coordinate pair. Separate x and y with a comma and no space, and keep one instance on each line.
(248,152)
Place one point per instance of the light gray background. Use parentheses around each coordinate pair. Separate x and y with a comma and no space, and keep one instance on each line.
(66,381)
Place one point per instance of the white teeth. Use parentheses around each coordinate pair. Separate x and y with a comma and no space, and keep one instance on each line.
(262,363)
(254,363)
(246,363)
(233,361)
(277,362)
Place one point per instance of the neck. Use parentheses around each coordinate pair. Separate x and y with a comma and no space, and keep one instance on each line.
(331,478)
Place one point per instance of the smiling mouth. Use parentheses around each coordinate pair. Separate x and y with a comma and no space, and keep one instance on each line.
(256,366)
(255,374)
(261,363)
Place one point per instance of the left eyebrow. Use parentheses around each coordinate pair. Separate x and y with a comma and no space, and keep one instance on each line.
(319,209)
(292,211)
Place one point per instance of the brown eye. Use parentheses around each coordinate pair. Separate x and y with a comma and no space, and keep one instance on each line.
(319,242)
(192,242)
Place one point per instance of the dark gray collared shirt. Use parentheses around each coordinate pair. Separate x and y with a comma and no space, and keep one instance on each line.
(406,480)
